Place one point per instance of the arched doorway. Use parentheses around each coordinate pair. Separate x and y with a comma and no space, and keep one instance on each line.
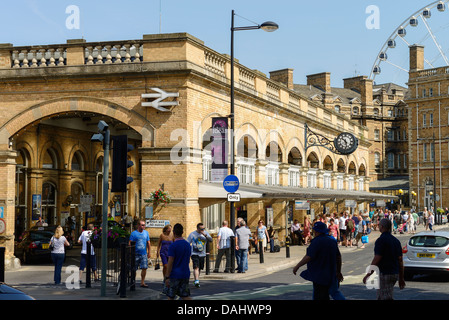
(60,163)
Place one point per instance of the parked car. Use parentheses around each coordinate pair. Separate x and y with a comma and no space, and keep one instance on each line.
(426,253)
(34,245)
(9,293)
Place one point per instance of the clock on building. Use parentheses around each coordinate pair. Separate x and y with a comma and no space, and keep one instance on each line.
(2,226)
(346,143)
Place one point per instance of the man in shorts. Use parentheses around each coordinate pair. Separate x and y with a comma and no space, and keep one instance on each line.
(198,239)
(142,239)
(178,270)
(388,259)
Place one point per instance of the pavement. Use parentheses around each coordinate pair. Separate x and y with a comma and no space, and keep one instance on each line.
(42,288)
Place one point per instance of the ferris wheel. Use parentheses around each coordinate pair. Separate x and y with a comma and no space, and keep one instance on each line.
(420,29)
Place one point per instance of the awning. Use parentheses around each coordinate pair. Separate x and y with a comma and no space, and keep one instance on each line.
(216,190)
(391,183)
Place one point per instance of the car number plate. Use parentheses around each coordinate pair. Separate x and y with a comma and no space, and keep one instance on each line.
(426,255)
(45,245)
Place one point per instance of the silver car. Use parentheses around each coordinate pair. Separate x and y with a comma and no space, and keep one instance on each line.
(425,253)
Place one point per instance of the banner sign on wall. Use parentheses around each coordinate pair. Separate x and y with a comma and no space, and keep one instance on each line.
(219,149)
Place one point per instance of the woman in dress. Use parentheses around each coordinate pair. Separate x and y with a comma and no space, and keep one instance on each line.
(58,241)
(262,234)
(306,233)
(165,240)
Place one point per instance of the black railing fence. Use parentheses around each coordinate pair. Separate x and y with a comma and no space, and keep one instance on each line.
(120,268)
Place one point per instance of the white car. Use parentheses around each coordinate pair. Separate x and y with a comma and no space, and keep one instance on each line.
(426,253)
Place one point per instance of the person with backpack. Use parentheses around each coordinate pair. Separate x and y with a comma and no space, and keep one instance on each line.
(350,227)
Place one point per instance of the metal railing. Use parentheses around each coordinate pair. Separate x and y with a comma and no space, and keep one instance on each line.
(120,269)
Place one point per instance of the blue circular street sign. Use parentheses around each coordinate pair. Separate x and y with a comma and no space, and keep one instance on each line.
(231,183)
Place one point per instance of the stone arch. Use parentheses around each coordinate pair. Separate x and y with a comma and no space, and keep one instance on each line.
(272,140)
(328,163)
(83,153)
(71,104)
(247,147)
(352,168)
(56,148)
(202,131)
(313,160)
(24,145)
(295,157)
(248,129)
(341,166)
(297,144)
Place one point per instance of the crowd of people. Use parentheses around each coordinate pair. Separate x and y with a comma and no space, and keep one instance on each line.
(176,252)
(349,229)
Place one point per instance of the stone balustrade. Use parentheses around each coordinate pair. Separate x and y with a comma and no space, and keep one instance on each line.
(169,48)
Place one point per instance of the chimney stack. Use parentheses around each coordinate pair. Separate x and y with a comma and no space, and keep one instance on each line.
(320,80)
(416,57)
(284,76)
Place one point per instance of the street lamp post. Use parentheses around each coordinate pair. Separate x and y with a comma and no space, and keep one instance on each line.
(268,26)
(104,136)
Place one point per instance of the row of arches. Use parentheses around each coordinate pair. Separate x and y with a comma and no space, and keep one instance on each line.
(247,147)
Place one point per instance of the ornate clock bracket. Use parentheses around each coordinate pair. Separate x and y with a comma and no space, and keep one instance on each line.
(313,139)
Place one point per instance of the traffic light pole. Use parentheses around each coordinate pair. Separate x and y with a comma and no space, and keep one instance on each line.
(104,233)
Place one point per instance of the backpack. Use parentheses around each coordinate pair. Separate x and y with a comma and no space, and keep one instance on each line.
(350,224)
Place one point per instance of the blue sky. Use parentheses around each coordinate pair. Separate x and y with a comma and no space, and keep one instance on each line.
(314,36)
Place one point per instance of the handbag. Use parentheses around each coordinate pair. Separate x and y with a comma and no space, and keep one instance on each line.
(365,239)
(52,245)
(157,266)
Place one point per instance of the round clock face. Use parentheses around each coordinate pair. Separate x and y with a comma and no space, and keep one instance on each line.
(2,226)
(346,143)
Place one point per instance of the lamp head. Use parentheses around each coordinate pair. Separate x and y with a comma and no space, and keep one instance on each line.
(102,126)
(269,26)
(98,137)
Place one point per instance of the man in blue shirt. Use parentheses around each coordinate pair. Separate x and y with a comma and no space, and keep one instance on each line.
(323,261)
(198,239)
(142,239)
(178,270)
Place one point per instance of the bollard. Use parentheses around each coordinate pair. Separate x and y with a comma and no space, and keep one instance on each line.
(232,254)
(261,251)
(88,264)
(207,258)
(287,247)
(133,266)
(123,270)
(2,264)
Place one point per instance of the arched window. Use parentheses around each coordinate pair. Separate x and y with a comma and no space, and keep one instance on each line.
(50,159)
(49,203)
(377,159)
(77,162)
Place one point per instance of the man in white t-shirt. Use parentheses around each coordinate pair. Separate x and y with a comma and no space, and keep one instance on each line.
(342,225)
(224,246)
(84,238)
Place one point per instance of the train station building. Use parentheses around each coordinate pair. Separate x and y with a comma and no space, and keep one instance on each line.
(165,92)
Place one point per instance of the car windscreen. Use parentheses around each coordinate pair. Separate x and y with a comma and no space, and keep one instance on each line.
(41,235)
(429,241)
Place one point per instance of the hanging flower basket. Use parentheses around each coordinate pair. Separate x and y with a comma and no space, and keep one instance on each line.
(116,235)
(159,197)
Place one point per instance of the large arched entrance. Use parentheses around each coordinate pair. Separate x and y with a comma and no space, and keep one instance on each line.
(49,160)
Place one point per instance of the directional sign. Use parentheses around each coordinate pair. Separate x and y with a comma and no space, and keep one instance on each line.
(231,183)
